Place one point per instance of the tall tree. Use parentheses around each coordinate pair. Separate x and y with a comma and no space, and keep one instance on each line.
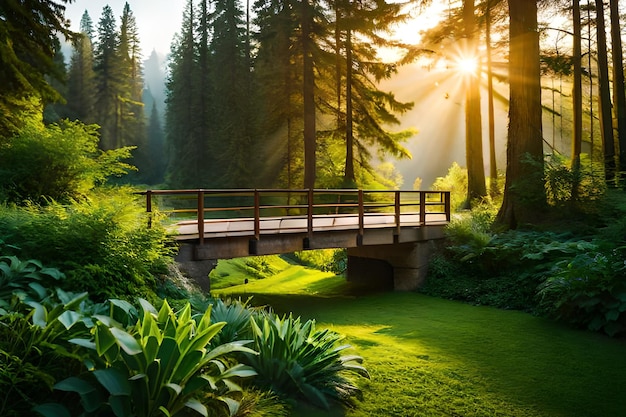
(577,93)
(307,43)
(109,81)
(156,146)
(476,188)
(524,191)
(232,95)
(493,168)
(28,43)
(131,116)
(278,74)
(361,28)
(604,97)
(81,79)
(619,93)
(185,148)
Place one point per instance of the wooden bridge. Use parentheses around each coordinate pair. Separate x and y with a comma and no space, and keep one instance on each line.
(371,224)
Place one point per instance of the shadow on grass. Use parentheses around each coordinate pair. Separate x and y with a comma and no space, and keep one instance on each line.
(549,368)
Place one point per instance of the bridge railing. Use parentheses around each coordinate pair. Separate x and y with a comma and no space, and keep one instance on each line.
(258,204)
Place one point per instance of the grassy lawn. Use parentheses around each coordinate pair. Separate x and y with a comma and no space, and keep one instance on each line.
(432,357)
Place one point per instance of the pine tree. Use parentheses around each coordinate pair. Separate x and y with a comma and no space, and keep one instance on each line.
(278,74)
(109,82)
(184,145)
(156,145)
(132,117)
(232,96)
(28,36)
(81,77)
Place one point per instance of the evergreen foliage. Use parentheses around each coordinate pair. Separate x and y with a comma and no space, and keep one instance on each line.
(230,102)
(28,44)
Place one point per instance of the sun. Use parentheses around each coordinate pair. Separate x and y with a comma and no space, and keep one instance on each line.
(466,64)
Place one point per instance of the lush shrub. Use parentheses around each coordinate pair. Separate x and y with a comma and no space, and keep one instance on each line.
(161,364)
(35,326)
(298,362)
(588,291)
(327,260)
(573,189)
(57,162)
(455,181)
(102,244)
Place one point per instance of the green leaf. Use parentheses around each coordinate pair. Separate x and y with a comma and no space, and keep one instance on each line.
(40,314)
(74,384)
(76,300)
(52,410)
(612,315)
(103,338)
(84,343)
(196,406)
(233,406)
(113,380)
(126,341)
(69,318)
(177,389)
(121,405)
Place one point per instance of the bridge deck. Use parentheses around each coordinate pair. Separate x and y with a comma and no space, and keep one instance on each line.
(214,228)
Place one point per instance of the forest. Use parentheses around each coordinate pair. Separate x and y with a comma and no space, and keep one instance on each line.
(95,317)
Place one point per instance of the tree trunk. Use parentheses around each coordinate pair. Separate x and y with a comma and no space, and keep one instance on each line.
(493,168)
(524,190)
(349,179)
(604,97)
(308,97)
(618,88)
(577,96)
(476,188)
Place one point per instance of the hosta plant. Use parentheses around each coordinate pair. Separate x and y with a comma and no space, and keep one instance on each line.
(24,279)
(299,362)
(160,366)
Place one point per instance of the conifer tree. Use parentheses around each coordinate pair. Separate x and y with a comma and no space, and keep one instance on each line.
(28,43)
(155,149)
(184,146)
(231,94)
(109,82)
(81,77)
(132,118)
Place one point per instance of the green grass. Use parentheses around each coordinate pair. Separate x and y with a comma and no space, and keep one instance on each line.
(432,357)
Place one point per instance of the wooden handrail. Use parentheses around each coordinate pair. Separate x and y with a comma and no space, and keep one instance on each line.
(365,202)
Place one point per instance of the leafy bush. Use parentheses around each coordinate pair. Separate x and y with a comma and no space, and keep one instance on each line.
(327,260)
(570,189)
(102,244)
(57,162)
(24,279)
(455,181)
(236,315)
(159,365)
(297,361)
(588,291)
(34,348)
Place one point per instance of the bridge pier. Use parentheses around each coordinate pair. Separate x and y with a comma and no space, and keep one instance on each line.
(192,267)
(407,264)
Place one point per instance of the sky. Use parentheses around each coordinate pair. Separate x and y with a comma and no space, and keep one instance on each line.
(157,20)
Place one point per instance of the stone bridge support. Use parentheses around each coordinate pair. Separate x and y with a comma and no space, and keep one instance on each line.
(401,267)
(192,267)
